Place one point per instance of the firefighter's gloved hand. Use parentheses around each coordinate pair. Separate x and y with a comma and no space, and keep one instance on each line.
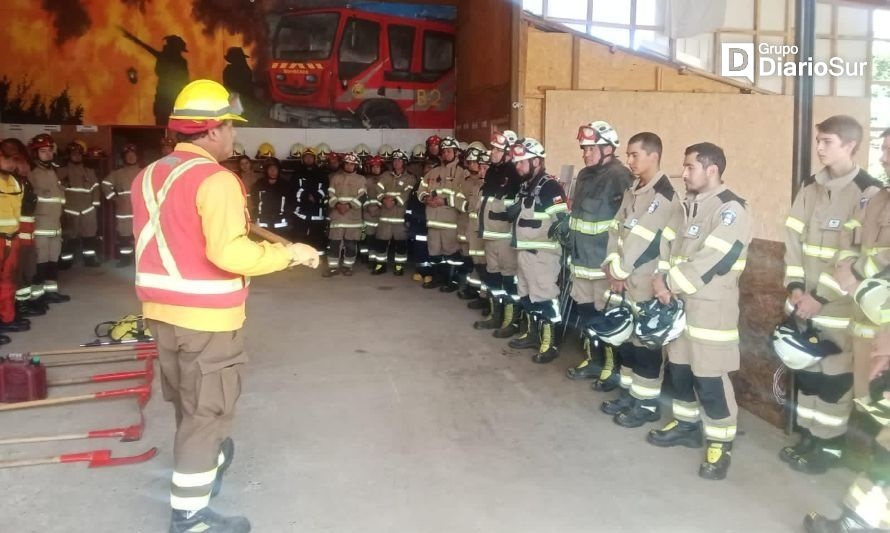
(559,230)
(303,254)
(513,211)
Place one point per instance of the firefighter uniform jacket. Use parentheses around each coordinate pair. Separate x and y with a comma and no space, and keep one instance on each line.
(371,208)
(347,189)
(705,261)
(635,235)
(50,201)
(26,219)
(541,199)
(272,202)
(311,190)
(399,189)
(469,197)
(82,194)
(598,194)
(866,238)
(499,191)
(10,205)
(443,182)
(814,237)
(116,187)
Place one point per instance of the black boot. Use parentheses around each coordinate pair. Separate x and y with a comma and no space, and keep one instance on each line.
(677,433)
(849,522)
(124,260)
(449,283)
(207,520)
(592,365)
(548,350)
(509,326)
(379,268)
(718,456)
(398,270)
(531,337)
(804,445)
(480,303)
(227,449)
(825,454)
(4,339)
(494,319)
(55,297)
(466,292)
(615,406)
(21,324)
(330,272)
(23,309)
(610,377)
(641,412)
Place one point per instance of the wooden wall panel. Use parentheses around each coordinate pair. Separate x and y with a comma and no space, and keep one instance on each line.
(548,61)
(484,65)
(754,130)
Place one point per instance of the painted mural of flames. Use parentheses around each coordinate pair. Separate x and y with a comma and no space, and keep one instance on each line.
(124,61)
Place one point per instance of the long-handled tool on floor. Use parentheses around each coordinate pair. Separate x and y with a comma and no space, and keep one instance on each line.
(99,343)
(142,394)
(137,347)
(95,458)
(142,356)
(125,434)
(147,375)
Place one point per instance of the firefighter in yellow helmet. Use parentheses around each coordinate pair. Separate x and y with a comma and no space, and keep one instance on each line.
(193,297)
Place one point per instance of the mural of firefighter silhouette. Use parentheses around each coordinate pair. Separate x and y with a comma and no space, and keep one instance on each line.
(172,70)
(237,77)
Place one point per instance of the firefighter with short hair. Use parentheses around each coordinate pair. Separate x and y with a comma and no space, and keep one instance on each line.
(82,200)
(862,272)
(541,203)
(47,219)
(116,187)
(599,189)
(828,201)
(438,191)
(394,189)
(499,190)
(346,196)
(634,244)
(706,258)
(271,195)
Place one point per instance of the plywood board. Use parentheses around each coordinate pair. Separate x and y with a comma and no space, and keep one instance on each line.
(533,118)
(548,61)
(754,130)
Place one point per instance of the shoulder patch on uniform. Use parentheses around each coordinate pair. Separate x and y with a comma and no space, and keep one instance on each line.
(729,196)
(864,180)
(663,187)
(727,217)
(652,207)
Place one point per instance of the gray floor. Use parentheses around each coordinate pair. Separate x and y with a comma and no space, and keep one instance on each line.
(373,406)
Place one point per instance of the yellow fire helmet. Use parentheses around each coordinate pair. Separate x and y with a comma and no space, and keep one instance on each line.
(203,105)
(265,150)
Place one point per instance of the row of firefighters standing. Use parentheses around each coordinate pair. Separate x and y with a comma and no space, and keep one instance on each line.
(653,283)
(47,213)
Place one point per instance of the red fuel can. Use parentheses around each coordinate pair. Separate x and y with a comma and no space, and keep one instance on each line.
(23,380)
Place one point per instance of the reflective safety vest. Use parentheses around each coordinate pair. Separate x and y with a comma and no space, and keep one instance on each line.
(171,266)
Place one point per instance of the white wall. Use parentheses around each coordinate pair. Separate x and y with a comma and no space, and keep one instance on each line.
(340,140)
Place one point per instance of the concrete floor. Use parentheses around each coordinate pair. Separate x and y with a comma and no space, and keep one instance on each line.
(373,406)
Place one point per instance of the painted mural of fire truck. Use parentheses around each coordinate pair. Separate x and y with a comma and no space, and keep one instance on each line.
(356,67)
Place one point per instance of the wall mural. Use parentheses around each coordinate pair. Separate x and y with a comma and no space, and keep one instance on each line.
(306,64)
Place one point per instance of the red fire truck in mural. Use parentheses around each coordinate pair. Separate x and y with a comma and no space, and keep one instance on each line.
(357,67)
